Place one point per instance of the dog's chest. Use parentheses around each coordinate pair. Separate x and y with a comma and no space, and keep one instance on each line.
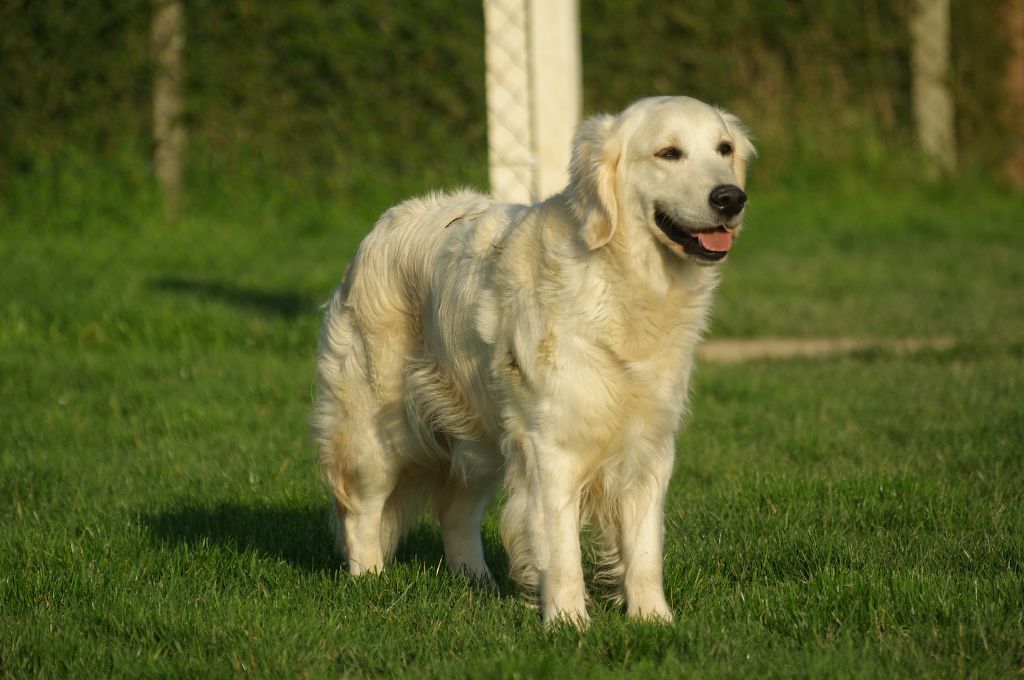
(651,376)
(604,396)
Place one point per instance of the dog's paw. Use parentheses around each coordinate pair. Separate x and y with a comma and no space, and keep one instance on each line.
(561,617)
(476,571)
(576,617)
(658,613)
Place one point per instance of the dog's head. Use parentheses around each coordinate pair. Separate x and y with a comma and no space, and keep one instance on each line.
(672,166)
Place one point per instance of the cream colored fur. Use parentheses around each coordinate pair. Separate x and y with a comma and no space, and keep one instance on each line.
(545,347)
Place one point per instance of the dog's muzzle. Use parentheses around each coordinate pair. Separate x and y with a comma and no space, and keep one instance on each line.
(709,245)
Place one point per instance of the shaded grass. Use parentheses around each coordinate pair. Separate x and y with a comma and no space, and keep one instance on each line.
(862,517)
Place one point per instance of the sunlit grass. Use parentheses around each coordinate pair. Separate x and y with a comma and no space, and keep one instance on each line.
(160,514)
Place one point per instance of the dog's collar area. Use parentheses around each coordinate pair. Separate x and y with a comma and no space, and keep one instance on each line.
(690,239)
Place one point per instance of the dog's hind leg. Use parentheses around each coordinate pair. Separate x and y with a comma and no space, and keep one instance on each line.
(363,538)
(338,529)
(460,509)
(461,515)
(360,485)
(361,473)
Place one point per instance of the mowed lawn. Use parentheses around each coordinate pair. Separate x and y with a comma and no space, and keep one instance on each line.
(856,517)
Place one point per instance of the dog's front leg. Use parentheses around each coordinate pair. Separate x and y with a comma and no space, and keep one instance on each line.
(641,539)
(553,479)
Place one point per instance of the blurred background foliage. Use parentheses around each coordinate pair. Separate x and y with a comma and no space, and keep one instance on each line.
(338,96)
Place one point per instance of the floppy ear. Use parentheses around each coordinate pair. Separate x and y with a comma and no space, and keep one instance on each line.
(744,148)
(595,160)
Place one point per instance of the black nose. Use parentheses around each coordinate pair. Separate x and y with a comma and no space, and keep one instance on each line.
(727,199)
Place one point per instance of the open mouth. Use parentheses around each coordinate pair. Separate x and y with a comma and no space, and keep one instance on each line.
(710,245)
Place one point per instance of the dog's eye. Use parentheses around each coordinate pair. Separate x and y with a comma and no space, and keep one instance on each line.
(725,148)
(670,153)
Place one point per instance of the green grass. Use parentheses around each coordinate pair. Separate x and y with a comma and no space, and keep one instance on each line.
(160,514)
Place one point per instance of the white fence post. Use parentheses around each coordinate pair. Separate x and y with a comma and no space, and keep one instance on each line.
(557,89)
(933,101)
(533,94)
(168,45)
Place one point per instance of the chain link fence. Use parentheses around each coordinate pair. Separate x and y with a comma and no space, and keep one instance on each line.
(510,135)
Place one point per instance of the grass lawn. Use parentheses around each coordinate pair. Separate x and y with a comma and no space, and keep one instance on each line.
(860,516)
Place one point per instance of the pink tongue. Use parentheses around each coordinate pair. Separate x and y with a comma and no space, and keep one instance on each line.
(716,241)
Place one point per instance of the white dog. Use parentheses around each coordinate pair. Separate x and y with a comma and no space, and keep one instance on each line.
(547,346)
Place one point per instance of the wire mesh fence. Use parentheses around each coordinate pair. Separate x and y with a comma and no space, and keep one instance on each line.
(510,139)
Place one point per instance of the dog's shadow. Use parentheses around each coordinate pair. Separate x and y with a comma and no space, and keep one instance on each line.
(297,535)
(285,304)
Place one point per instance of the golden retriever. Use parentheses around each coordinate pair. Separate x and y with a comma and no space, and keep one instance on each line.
(545,347)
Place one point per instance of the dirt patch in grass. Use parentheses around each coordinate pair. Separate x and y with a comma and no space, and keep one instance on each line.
(738,351)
